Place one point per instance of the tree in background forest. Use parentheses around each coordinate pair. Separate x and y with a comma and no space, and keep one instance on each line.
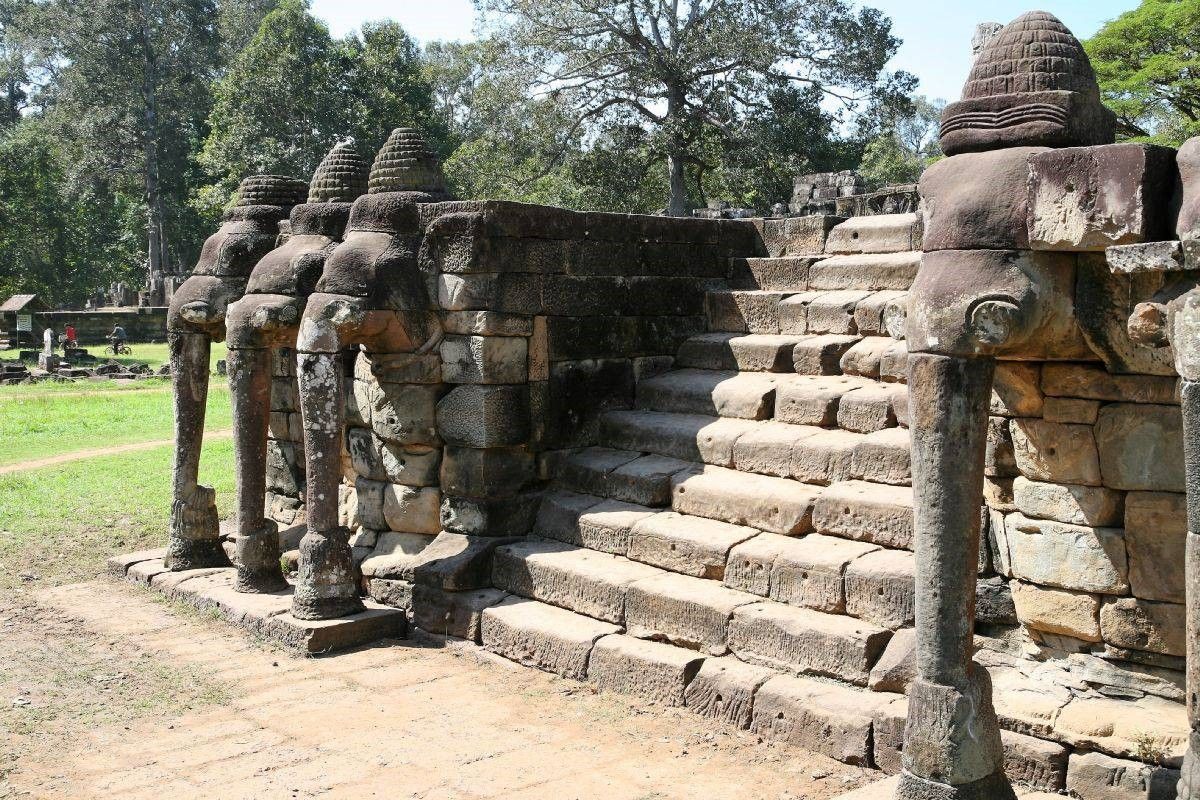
(1148,64)
(682,70)
(908,144)
(293,91)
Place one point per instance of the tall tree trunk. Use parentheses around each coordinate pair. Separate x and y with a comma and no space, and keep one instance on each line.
(677,204)
(157,239)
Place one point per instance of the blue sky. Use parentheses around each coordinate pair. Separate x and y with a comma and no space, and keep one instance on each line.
(937,35)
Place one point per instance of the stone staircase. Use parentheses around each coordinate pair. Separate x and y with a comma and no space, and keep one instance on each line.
(739,542)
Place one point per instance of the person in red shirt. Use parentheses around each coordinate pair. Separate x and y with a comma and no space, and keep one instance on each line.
(69,338)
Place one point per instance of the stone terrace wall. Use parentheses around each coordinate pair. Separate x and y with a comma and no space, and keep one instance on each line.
(1085,460)
(549,316)
(92,327)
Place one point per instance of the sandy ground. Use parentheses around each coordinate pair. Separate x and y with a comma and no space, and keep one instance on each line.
(412,719)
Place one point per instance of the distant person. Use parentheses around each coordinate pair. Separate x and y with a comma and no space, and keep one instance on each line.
(69,339)
(118,337)
(48,339)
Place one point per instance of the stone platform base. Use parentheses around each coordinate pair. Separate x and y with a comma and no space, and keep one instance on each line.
(886,790)
(266,615)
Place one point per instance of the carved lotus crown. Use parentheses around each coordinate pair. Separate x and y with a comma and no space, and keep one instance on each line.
(271,190)
(406,164)
(341,177)
(1031,85)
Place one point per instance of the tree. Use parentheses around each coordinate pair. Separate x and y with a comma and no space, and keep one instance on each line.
(1148,64)
(906,147)
(128,94)
(55,241)
(277,108)
(385,86)
(681,68)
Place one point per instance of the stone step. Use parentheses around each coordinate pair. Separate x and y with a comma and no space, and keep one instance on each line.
(880,233)
(813,399)
(809,571)
(805,641)
(745,395)
(821,354)
(689,437)
(866,512)
(625,475)
(689,545)
(872,272)
(589,521)
(738,352)
(767,503)
(873,407)
(785,274)
(654,671)
(881,588)
(865,357)
(743,311)
(805,452)
(685,611)
(543,636)
(834,720)
(567,576)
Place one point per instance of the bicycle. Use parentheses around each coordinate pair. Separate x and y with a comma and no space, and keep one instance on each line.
(118,349)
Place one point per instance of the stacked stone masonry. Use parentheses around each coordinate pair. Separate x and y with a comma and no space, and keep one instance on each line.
(721,507)
(739,465)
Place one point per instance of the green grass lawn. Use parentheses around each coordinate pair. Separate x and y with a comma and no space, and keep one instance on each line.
(37,424)
(153,354)
(59,523)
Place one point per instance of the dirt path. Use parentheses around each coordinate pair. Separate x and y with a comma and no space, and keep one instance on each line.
(113,450)
(399,720)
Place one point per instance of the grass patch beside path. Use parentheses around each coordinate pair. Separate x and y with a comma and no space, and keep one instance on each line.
(41,425)
(59,524)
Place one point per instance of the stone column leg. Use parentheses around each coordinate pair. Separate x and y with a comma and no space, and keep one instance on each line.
(325,585)
(1189,782)
(195,530)
(952,747)
(258,568)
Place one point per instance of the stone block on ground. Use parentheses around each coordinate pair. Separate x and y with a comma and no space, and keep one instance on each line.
(897,667)
(538,635)
(820,717)
(1095,776)
(724,689)
(455,614)
(1033,762)
(653,671)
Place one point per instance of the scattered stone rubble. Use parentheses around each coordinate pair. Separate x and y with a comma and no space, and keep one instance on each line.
(826,478)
